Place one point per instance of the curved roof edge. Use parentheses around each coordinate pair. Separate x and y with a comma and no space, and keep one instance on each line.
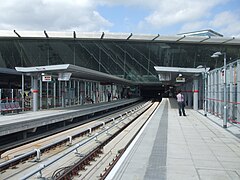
(119,36)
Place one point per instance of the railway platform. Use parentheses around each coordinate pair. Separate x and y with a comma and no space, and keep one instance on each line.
(173,147)
(13,123)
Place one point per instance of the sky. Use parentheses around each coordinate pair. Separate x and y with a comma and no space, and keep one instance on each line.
(164,17)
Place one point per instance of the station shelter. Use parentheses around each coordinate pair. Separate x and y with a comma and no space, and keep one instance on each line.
(67,85)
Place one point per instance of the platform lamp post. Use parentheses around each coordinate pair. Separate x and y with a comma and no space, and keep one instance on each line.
(217,54)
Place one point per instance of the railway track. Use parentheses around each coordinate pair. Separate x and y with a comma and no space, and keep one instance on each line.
(97,145)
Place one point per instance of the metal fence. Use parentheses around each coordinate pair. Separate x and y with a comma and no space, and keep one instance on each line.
(215,92)
(60,94)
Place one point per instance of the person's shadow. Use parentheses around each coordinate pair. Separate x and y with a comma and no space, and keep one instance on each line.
(173,103)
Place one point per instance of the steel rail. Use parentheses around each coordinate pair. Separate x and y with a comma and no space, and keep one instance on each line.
(48,163)
(32,153)
(71,149)
(72,170)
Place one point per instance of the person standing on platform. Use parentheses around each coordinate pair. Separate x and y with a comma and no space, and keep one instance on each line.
(181,104)
(109,96)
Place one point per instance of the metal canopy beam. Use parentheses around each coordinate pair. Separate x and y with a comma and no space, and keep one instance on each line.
(155,37)
(180,38)
(129,36)
(205,39)
(102,35)
(17,33)
(228,40)
(45,32)
(74,35)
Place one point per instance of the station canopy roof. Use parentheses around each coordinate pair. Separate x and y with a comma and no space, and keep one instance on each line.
(77,72)
(168,75)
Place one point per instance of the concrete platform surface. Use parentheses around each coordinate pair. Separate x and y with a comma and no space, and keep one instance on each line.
(173,147)
(12,123)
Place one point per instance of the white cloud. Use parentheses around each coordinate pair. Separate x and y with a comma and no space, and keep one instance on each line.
(82,15)
(167,8)
(194,26)
(165,14)
(179,11)
(142,3)
(228,22)
(51,15)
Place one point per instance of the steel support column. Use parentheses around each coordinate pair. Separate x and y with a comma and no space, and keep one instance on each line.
(40,93)
(35,93)
(195,94)
(78,92)
(23,92)
(54,92)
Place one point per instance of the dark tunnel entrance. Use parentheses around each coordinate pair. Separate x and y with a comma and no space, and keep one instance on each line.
(157,92)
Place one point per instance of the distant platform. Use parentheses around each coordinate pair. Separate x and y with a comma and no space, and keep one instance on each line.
(12,123)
